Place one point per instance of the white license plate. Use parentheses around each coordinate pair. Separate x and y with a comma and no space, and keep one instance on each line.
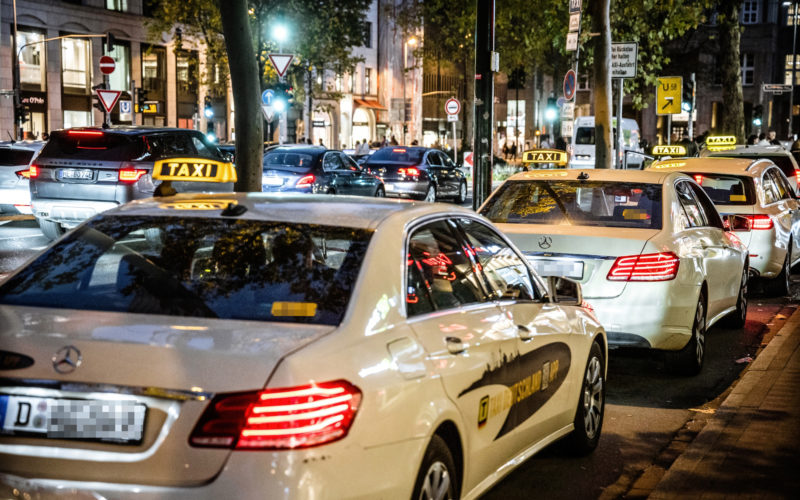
(119,421)
(389,187)
(567,268)
(272,181)
(84,174)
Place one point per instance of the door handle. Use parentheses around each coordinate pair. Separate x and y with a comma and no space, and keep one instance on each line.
(455,345)
(524,332)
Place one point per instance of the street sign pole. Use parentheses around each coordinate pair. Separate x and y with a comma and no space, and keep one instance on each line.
(484,102)
(618,145)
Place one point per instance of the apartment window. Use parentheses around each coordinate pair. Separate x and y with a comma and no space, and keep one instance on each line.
(120,78)
(368,35)
(186,72)
(748,68)
(368,80)
(788,68)
(77,119)
(750,12)
(154,72)
(76,56)
(790,14)
(583,83)
(31,60)
(118,5)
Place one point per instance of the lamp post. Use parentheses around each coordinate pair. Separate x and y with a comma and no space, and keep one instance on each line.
(411,42)
(795,4)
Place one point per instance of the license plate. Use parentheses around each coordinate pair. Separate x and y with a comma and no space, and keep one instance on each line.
(389,187)
(566,268)
(272,181)
(83,174)
(118,421)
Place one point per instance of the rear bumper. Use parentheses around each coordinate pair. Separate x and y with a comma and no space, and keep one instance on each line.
(70,212)
(15,200)
(766,257)
(397,188)
(664,312)
(329,472)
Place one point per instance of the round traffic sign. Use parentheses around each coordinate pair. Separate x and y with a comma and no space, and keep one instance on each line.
(267,96)
(452,106)
(107,65)
(569,85)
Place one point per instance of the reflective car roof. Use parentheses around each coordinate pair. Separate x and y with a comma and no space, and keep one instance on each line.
(644,176)
(739,166)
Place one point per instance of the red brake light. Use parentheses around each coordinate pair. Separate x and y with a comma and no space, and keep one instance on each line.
(698,179)
(760,221)
(306,181)
(645,267)
(24,174)
(85,133)
(131,175)
(408,171)
(398,150)
(33,172)
(288,418)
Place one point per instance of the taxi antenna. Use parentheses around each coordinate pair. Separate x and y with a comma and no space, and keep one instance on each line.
(233,210)
(583,176)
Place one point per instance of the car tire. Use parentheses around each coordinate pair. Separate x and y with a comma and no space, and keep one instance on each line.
(737,318)
(461,197)
(380,192)
(588,422)
(437,477)
(779,285)
(689,360)
(51,230)
(430,194)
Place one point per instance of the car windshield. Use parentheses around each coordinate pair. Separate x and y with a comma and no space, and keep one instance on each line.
(15,157)
(212,268)
(584,135)
(400,155)
(726,189)
(578,203)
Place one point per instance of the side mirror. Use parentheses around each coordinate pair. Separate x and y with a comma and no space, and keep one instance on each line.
(565,291)
(738,223)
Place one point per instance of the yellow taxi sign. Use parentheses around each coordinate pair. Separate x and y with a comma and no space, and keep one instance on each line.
(545,156)
(215,204)
(721,142)
(194,169)
(669,150)
(539,174)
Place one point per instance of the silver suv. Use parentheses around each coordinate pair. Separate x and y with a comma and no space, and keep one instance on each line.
(84,171)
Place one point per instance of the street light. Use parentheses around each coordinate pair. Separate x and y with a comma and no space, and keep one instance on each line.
(280,33)
(794,64)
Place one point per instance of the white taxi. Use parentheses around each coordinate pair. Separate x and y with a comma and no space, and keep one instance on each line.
(648,247)
(284,346)
(757,190)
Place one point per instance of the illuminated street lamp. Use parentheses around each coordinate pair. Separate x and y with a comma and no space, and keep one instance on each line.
(280,33)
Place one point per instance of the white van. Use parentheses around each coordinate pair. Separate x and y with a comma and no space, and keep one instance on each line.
(582,143)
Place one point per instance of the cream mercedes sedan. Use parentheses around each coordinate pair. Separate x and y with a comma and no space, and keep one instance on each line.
(648,247)
(288,346)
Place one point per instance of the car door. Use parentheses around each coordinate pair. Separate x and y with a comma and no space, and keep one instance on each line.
(335,179)
(784,208)
(470,344)
(360,182)
(433,164)
(450,174)
(707,237)
(541,395)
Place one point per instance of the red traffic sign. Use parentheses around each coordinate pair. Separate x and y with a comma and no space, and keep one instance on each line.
(108,98)
(281,62)
(107,65)
(570,83)
(452,106)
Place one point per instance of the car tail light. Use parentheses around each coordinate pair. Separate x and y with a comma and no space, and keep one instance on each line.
(287,418)
(408,171)
(33,172)
(24,174)
(759,222)
(130,175)
(698,179)
(85,133)
(645,267)
(306,181)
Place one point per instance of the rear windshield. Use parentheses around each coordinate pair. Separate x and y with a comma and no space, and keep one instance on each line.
(400,155)
(597,203)
(727,189)
(93,146)
(289,160)
(11,157)
(211,268)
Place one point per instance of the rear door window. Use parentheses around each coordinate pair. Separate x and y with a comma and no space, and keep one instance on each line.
(332,162)
(170,146)
(205,150)
(772,192)
(780,183)
(691,207)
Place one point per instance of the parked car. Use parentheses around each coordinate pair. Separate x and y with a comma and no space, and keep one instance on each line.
(287,346)
(582,145)
(87,170)
(15,159)
(419,173)
(757,190)
(649,248)
(316,170)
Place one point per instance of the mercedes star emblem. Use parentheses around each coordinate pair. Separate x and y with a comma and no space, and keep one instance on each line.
(67,359)
(545,242)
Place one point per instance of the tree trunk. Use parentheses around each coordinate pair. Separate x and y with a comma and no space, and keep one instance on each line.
(246,94)
(602,83)
(732,100)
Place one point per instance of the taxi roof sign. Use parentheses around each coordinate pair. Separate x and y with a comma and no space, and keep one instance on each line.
(193,170)
(545,156)
(200,204)
(720,142)
(669,150)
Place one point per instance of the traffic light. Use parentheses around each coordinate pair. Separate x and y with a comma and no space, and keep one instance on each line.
(551,111)
(110,39)
(758,114)
(208,107)
(687,96)
(22,114)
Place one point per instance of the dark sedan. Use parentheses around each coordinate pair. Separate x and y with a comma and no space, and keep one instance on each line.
(315,169)
(417,172)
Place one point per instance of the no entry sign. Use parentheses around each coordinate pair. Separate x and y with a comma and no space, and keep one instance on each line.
(107,65)
(452,106)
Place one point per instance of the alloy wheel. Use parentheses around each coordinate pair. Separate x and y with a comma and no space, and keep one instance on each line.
(436,485)
(593,398)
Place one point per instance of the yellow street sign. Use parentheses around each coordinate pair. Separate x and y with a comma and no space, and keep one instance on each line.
(668,95)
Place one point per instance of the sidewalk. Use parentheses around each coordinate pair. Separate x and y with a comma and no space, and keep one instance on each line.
(751,447)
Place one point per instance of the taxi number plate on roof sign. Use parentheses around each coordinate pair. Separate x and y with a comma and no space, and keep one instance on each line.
(545,156)
(669,151)
(193,169)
